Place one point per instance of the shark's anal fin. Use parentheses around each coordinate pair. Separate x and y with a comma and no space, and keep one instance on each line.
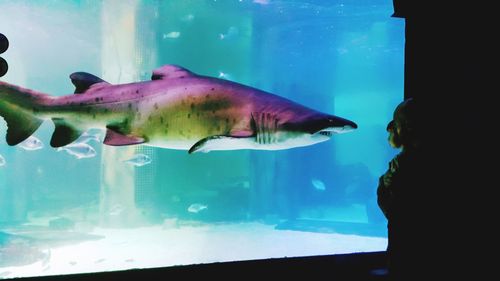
(64,133)
(83,81)
(220,142)
(115,138)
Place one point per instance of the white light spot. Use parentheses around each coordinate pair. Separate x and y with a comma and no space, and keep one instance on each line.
(172,35)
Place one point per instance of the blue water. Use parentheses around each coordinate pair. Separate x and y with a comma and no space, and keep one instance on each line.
(340,57)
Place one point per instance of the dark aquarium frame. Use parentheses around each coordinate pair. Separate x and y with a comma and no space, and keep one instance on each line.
(446,58)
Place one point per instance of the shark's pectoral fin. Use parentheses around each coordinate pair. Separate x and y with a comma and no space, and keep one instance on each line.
(205,145)
(221,142)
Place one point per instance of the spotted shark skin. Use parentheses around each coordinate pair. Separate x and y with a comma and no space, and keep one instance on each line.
(177,109)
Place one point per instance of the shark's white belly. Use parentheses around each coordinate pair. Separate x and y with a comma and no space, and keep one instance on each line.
(230,143)
(224,144)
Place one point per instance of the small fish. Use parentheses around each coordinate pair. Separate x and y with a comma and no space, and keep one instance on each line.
(31,143)
(86,137)
(172,35)
(262,2)
(2,161)
(342,51)
(318,184)
(224,75)
(196,207)
(79,150)
(231,32)
(116,210)
(139,160)
(188,18)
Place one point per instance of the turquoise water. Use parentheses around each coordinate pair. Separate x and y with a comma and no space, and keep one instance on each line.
(63,214)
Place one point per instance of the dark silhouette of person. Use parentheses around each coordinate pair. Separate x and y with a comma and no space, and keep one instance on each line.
(4,45)
(399,192)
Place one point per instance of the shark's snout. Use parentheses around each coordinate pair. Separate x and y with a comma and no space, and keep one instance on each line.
(338,125)
(350,126)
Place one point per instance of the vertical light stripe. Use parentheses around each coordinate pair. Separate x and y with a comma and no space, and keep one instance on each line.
(118,66)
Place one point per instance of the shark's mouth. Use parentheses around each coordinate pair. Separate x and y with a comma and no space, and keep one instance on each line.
(326,133)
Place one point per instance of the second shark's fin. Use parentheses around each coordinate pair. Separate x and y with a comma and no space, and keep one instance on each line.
(83,81)
(221,142)
(115,137)
(64,133)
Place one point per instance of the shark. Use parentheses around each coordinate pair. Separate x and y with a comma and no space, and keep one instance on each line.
(176,109)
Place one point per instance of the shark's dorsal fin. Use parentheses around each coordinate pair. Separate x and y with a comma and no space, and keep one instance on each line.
(83,81)
(170,71)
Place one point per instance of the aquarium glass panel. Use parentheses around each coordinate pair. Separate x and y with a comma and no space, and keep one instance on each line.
(141,134)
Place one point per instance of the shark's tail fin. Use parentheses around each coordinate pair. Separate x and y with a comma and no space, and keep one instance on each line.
(18,107)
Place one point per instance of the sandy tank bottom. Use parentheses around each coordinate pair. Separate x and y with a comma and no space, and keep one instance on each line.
(175,243)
